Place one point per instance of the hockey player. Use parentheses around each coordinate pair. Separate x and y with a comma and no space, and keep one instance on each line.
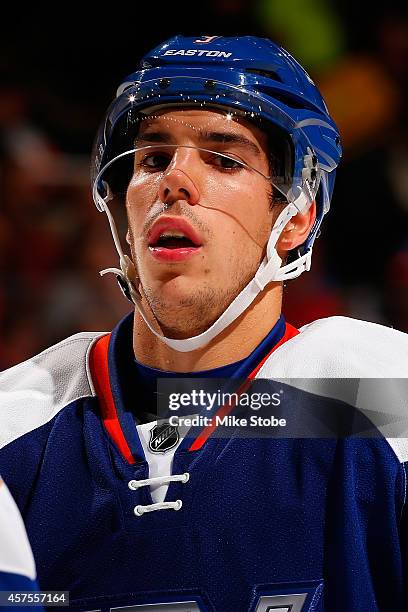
(223,154)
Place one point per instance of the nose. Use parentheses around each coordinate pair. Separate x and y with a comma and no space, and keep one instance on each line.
(177,185)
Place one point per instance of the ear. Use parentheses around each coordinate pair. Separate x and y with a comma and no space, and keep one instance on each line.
(296,231)
(128,236)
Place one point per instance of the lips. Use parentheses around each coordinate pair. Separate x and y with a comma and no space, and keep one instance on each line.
(173,239)
(173,227)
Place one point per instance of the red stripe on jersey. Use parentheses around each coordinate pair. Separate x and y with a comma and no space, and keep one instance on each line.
(290,332)
(98,363)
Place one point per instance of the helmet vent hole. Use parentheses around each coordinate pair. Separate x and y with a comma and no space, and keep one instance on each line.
(265,73)
(286,99)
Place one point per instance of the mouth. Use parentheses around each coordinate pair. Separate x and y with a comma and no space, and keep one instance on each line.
(172,239)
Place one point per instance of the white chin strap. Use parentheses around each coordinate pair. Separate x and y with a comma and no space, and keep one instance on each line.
(271,269)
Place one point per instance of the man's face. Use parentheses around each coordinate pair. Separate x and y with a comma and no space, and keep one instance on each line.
(222,208)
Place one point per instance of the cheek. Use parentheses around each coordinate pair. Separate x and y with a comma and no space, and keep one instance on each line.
(141,192)
(261,214)
(251,210)
(140,197)
(241,236)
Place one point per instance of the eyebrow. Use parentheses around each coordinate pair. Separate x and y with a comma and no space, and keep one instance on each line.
(204,137)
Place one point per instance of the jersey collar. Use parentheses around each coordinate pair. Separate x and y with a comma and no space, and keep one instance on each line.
(118,387)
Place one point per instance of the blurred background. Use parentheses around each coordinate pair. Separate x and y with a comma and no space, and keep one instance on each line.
(59,69)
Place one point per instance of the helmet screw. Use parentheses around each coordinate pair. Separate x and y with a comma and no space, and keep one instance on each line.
(210,84)
(163,83)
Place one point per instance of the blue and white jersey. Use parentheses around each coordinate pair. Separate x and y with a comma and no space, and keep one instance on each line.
(17,567)
(122,516)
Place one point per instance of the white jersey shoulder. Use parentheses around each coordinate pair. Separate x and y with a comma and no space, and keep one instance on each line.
(16,556)
(34,391)
(362,364)
(341,347)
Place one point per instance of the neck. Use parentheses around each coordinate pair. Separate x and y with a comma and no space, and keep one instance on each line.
(233,344)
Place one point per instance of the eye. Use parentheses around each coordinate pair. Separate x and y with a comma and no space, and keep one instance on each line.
(226,163)
(155,161)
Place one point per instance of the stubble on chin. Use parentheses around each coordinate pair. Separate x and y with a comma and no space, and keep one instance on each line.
(190,315)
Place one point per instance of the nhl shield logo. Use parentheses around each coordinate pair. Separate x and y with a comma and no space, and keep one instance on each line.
(163,437)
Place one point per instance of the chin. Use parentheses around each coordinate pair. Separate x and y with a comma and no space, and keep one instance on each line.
(175,288)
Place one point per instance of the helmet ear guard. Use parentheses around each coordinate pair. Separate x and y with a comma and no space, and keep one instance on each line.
(272,91)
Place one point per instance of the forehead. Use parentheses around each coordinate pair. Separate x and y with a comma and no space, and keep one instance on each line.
(200,125)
